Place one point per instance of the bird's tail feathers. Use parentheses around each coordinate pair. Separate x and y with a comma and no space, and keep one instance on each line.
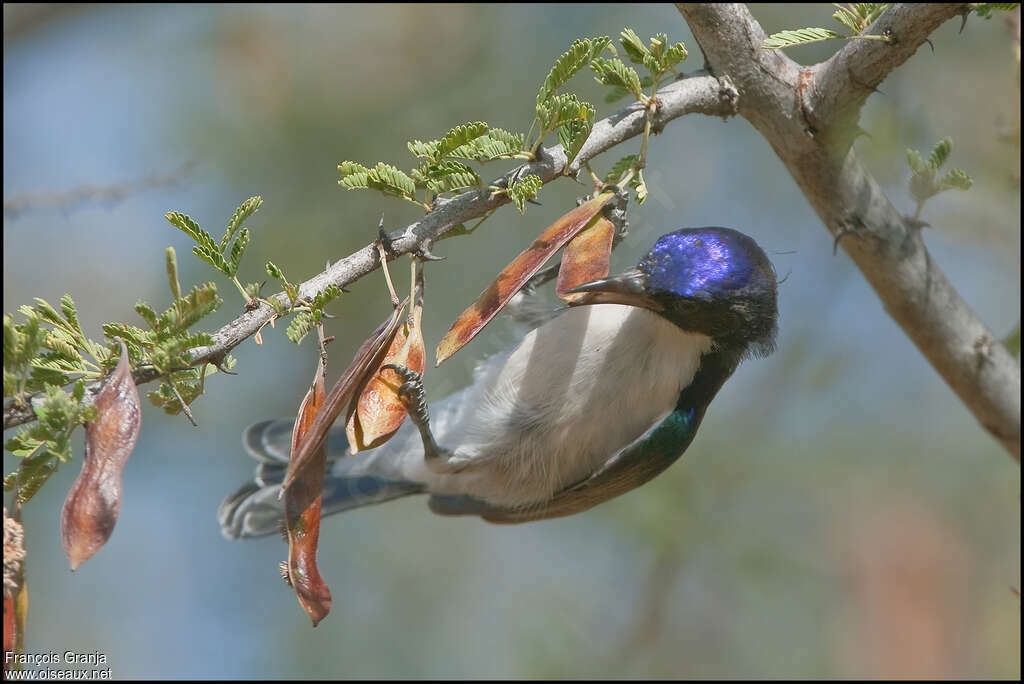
(255,510)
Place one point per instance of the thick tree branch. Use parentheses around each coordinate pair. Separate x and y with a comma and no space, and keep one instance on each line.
(886,248)
(697,94)
(843,83)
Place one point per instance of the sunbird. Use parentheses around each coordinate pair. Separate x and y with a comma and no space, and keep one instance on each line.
(595,400)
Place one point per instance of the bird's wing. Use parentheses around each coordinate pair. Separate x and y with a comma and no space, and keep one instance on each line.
(627,469)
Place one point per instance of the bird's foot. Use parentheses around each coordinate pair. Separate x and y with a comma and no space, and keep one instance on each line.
(413,398)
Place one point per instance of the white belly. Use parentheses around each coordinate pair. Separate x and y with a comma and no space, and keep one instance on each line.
(575,391)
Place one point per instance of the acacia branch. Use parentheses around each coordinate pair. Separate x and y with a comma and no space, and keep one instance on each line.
(809,128)
(843,83)
(696,94)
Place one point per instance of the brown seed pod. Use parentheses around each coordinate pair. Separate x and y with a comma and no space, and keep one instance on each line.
(587,257)
(375,416)
(302,502)
(94,501)
(514,276)
(367,358)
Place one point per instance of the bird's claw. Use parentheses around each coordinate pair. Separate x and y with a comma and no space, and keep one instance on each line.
(411,393)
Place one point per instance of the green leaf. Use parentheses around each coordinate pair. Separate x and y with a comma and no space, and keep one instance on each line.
(562,109)
(31,476)
(956,179)
(495,144)
(171,261)
(914,161)
(325,296)
(11,342)
(39,378)
(573,135)
(48,313)
(448,176)
(657,46)
(214,258)
(67,305)
(785,39)
(186,312)
(985,9)
(56,363)
(129,333)
(274,272)
(579,55)
(63,347)
(459,136)
(940,153)
(244,211)
(620,169)
(238,249)
(299,326)
(146,312)
(383,177)
(674,55)
(192,229)
(189,386)
(422,150)
(292,291)
(634,47)
(525,189)
(614,72)
(30,338)
(847,19)
(652,64)
(346,168)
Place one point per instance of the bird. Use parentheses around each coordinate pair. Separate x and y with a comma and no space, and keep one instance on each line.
(595,400)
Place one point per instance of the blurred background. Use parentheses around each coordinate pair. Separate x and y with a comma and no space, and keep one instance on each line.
(840,514)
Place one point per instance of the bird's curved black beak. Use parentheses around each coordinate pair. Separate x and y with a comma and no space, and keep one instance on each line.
(626,288)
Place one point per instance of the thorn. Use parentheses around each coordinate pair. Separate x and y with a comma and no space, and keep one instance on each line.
(382,237)
(915,223)
(930,44)
(963,22)
(533,201)
(424,254)
(843,232)
(222,369)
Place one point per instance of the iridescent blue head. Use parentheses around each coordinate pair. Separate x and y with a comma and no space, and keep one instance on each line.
(715,281)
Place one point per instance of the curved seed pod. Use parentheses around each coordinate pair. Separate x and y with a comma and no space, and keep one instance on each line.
(302,504)
(15,591)
(367,358)
(514,276)
(91,507)
(588,256)
(375,416)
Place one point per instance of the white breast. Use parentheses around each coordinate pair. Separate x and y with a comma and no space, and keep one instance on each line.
(575,391)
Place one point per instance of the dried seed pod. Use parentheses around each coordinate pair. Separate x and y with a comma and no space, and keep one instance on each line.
(375,416)
(587,257)
(302,504)
(15,593)
(514,276)
(94,501)
(367,358)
